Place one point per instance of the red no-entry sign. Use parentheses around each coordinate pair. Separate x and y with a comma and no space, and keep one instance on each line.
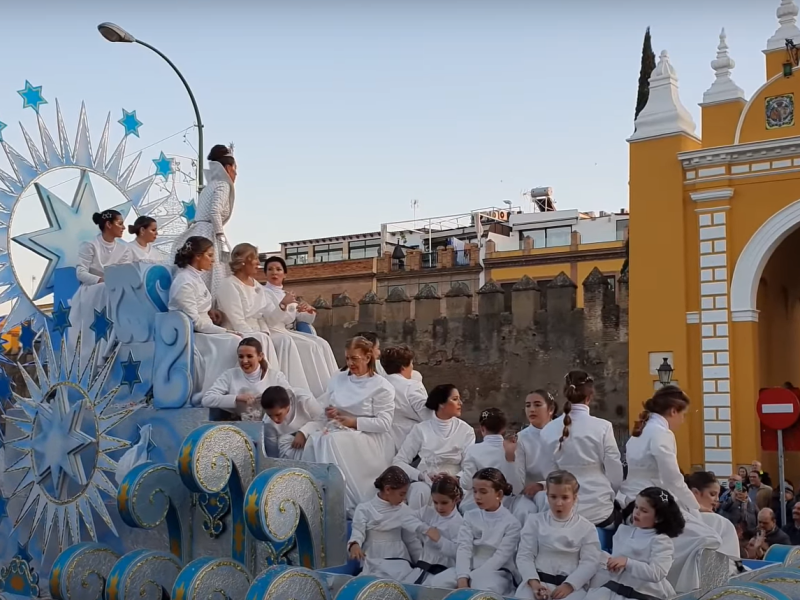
(778,408)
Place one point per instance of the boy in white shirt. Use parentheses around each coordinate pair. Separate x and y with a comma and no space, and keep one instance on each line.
(290,416)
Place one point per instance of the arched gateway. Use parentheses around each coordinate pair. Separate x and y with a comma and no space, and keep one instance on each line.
(715,251)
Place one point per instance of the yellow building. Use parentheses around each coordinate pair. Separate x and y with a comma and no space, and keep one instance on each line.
(715,250)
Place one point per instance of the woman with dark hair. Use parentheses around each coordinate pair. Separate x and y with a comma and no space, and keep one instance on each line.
(585,446)
(93,257)
(373,337)
(318,361)
(359,408)
(540,409)
(440,442)
(214,209)
(409,394)
(705,487)
(215,347)
(146,231)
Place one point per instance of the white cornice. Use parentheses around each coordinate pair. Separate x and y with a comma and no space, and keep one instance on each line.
(722,155)
(711,195)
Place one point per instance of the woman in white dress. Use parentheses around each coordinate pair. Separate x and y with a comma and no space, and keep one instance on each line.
(315,353)
(93,257)
(146,231)
(214,210)
(385,533)
(652,457)
(705,488)
(440,442)
(244,306)
(643,552)
(585,446)
(291,415)
(559,550)
(540,409)
(215,347)
(238,390)
(358,440)
(410,395)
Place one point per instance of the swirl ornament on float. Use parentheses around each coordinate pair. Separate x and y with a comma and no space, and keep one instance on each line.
(70,224)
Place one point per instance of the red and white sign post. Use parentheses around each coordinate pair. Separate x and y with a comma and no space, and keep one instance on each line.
(779,409)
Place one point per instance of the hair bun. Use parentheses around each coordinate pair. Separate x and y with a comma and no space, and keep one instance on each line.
(97,218)
(131,230)
(508,489)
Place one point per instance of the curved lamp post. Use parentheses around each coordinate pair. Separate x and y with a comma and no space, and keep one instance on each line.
(115,33)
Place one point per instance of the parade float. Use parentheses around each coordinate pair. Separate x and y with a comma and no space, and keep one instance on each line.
(201,512)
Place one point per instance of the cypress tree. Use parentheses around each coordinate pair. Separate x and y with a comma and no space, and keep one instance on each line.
(648,66)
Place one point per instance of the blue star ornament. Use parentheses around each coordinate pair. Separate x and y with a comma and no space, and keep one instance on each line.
(189,211)
(164,166)
(27,336)
(130,372)
(60,318)
(101,325)
(23,554)
(2,126)
(32,96)
(130,123)
(70,226)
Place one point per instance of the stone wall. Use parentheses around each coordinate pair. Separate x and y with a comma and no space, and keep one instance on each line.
(496,357)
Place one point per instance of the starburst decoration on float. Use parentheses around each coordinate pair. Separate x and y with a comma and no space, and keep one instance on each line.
(65,444)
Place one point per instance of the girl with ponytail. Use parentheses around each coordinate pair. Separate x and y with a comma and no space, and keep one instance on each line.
(585,446)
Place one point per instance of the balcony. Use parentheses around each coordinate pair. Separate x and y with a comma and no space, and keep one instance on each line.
(430,260)
(440,259)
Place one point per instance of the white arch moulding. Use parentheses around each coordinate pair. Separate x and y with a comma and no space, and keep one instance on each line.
(754,257)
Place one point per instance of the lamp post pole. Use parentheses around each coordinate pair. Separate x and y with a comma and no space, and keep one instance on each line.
(115,33)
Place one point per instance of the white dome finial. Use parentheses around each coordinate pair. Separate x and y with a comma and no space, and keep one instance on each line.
(723,88)
(787,17)
(664,113)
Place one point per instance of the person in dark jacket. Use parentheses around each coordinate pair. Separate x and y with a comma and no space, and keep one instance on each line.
(790,502)
(738,508)
(793,529)
(768,529)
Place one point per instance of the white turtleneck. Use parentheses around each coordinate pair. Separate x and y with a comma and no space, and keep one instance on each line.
(189,294)
(489,453)
(487,540)
(440,445)
(95,255)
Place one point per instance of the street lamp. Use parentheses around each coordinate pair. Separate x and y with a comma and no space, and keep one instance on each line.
(664,372)
(115,33)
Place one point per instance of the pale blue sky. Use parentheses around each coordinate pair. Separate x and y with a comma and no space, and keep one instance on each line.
(342,112)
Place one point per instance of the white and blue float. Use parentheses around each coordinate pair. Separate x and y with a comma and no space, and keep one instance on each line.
(203,514)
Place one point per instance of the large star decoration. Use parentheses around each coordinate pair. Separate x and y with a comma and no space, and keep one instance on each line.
(60,318)
(59,441)
(164,166)
(130,123)
(189,211)
(27,336)
(2,126)
(70,226)
(130,372)
(101,325)
(32,96)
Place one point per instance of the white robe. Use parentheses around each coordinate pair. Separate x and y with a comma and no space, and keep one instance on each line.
(649,560)
(214,210)
(214,348)
(315,353)
(389,537)
(440,446)
(241,306)
(305,415)
(491,453)
(93,258)
(415,375)
(653,461)
(443,552)
(591,454)
(362,454)
(146,254)
(530,466)
(222,394)
(730,539)
(409,406)
(487,544)
(568,548)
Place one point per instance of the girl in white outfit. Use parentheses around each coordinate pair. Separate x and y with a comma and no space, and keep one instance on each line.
(653,461)
(146,231)
(540,409)
(215,347)
(585,446)
(290,416)
(487,541)
(440,442)
(498,452)
(439,542)
(385,534)
(642,551)
(238,390)
(705,488)
(357,439)
(559,550)
(409,394)
(93,257)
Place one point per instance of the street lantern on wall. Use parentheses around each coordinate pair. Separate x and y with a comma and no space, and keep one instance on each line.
(664,372)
